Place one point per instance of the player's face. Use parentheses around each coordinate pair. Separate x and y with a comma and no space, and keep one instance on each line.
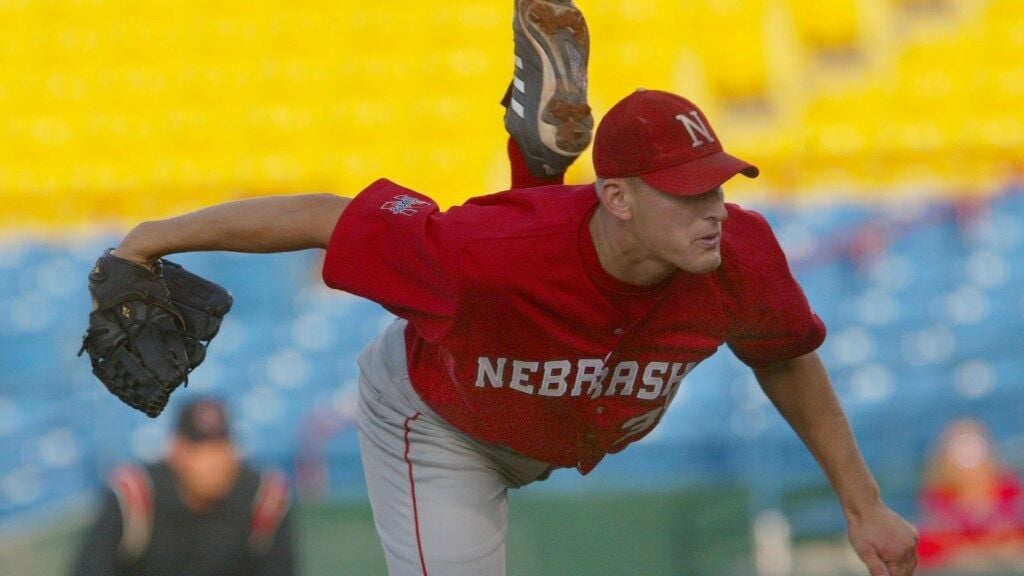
(682,231)
(206,470)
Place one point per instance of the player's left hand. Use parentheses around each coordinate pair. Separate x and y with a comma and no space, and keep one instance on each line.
(885,542)
(150,325)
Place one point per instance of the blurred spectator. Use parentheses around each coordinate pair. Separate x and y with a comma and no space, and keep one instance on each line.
(972,507)
(199,512)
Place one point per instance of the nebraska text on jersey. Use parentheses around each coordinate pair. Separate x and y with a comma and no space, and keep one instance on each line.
(655,382)
(587,376)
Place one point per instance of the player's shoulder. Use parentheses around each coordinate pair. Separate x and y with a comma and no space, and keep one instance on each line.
(748,242)
(527,212)
(515,212)
(549,203)
(130,477)
(746,223)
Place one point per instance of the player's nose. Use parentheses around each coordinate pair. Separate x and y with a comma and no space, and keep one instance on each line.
(716,208)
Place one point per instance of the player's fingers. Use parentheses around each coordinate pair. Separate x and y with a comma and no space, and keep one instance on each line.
(900,569)
(903,567)
(875,565)
(907,563)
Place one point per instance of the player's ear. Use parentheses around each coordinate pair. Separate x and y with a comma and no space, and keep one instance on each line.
(614,194)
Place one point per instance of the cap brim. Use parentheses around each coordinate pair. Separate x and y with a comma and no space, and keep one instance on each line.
(203,439)
(700,175)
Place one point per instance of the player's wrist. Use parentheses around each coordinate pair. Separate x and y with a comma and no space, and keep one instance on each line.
(864,504)
(133,257)
(132,248)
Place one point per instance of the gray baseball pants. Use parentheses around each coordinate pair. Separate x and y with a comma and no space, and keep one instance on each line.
(439,497)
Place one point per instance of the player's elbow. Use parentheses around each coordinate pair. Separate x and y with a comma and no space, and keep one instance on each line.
(327,209)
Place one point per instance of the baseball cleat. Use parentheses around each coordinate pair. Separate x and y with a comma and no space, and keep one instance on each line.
(546,109)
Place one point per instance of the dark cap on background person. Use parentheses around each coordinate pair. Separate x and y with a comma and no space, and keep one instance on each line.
(666,141)
(203,420)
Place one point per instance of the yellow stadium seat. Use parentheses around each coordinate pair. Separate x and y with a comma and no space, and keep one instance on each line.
(108,101)
(828,25)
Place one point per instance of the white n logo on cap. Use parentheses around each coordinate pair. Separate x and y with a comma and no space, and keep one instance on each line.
(693,126)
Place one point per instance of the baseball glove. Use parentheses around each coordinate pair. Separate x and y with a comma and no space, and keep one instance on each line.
(149,328)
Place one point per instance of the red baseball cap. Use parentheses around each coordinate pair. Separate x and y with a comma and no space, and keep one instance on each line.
(666,141)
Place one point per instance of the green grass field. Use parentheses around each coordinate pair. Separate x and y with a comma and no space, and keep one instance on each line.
(667,533)
(657,533)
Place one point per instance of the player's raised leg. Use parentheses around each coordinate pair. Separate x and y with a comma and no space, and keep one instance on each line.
(546,110)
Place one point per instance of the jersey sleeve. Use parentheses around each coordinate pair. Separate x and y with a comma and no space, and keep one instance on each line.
(773,319)
(394,246)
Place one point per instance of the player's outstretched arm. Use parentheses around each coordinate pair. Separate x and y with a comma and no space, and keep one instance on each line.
(801,390)
(150,325)
(268,224)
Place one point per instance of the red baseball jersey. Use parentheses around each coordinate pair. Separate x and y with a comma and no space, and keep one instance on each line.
(516,334)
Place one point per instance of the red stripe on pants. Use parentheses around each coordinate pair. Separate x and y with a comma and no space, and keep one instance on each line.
(412,488)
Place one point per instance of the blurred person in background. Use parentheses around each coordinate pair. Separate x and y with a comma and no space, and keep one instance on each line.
(198,512)
(972,506)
